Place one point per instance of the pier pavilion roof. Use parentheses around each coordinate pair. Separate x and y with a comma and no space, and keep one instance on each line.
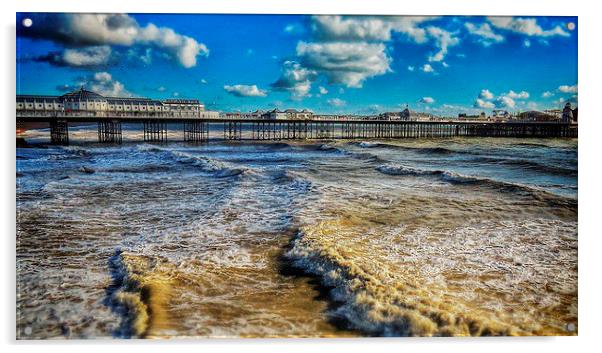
(82,95)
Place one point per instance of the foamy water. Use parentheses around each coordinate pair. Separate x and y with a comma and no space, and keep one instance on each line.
(298,239)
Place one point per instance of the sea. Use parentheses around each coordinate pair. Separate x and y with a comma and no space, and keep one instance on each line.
(458,236)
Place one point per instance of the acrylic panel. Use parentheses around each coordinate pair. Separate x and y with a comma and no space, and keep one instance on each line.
(234,176)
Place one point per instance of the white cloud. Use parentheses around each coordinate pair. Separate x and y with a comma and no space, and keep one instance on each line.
(84,30)
(293,28)
(527,43)
(245,91)
(322,90)
(445,65)
(91,56)
(336,102)
(104,84)
(427,68)
(486,94)
(547,94)
(443,40)
(203,81)
(427,100)
(484,32)
(505,102)
(481,103)
(526,26)
(161,89)
(345,62)
(368,28)
(515,95)
(568,89)
(295,79)
(411,68)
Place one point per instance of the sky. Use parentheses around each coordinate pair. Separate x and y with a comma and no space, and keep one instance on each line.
(329,64)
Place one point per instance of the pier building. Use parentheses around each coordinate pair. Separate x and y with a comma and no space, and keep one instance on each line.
(83,102)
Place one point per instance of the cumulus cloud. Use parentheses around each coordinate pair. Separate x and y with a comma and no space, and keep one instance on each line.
(89,57)
(443,40)
(486,94)
(484,33)
(505,102)
(84,30)
(427,68)
(369,28)
(515,95)
(295,79)
(547,94)
(102,83)
(322,90)
(526,26)
(245,91)
(568,89)
(336,102)
(348,63)
(294,28)
(483,104)
(427,100)
(411,68)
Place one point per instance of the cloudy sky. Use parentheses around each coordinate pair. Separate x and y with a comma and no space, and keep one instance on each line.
(330,64)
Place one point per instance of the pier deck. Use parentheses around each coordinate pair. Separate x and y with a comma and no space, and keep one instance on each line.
(197,130)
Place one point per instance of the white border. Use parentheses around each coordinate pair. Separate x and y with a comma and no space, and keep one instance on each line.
(590,194)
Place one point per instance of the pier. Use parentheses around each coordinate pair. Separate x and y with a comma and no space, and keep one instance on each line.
(198,130)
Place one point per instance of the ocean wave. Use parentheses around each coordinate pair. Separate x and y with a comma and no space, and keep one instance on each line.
(373,305)
(457,178)
(86,170)
(149,168)
(378,296)
(211,166)
(527,164)
(425,150)
(149,148)
(72,152)
(140,291)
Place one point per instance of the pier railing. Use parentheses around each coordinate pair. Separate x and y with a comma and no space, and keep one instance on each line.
(198,130)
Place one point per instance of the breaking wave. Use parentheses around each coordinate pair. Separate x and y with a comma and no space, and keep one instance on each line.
(426,150)
(210,166)
(392,299)
(141,290)
(460,179)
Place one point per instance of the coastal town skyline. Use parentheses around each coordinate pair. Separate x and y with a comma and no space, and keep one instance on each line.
(331,64)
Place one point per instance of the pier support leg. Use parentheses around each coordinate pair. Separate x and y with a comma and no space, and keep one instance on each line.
(155,131)
(233,130)
(59,132)
(109,131)
(196,131)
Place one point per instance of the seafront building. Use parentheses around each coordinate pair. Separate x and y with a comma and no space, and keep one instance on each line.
(274,114)
(87,103)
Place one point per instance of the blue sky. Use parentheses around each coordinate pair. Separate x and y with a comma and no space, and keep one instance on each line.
(330,64)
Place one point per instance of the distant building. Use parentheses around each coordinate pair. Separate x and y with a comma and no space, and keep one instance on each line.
(390,116)
(87,103)
(474,117)
(289,114)
(408,115)
(567,113)
(536,115)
